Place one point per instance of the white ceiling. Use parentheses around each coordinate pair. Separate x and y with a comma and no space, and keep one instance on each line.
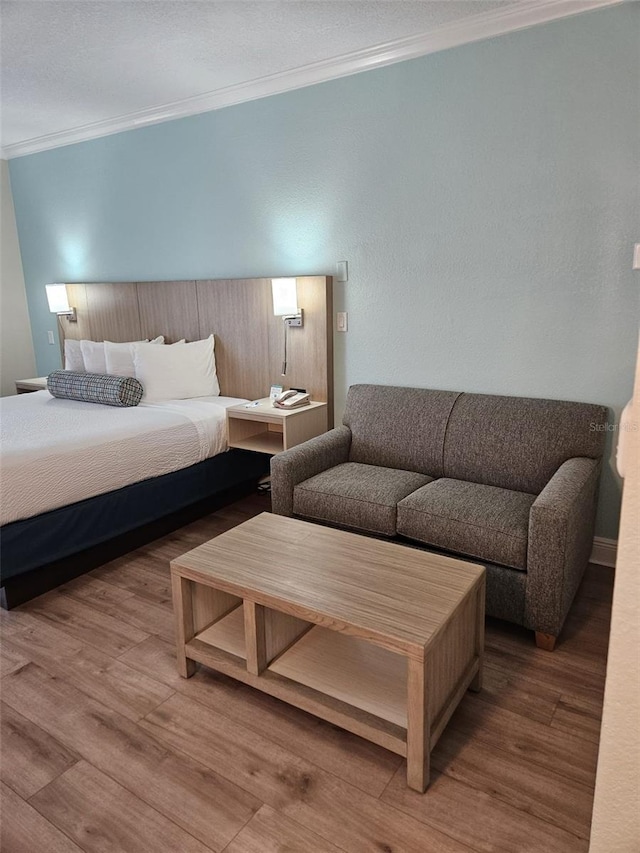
(67,64)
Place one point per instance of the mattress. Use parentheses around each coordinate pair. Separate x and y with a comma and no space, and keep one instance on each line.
(56,452)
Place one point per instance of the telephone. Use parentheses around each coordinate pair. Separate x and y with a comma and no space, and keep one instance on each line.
(291,400)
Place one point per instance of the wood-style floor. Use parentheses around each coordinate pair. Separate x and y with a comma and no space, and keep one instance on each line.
(105,748)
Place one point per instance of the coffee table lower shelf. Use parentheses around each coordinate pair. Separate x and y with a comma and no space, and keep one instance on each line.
(221,647)
(350,682)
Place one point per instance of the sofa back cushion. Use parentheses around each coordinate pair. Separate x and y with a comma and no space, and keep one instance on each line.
(517,442)
(400,428)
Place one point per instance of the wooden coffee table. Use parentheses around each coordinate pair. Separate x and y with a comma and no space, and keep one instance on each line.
(377,638)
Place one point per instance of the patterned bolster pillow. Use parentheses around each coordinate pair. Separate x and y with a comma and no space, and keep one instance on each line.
(95,388)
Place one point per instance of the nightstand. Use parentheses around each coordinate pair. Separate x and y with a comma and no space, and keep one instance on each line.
(266,429)
(26,386)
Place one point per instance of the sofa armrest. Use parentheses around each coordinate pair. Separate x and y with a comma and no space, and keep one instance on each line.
(304,461)
(561,525)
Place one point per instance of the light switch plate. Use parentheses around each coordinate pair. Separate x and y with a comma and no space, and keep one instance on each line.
(342,321)
(342,271)
(636,256)
(50,338)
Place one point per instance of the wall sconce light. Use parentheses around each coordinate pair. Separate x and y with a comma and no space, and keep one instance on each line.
(285,305)
(59,302)
(285,300)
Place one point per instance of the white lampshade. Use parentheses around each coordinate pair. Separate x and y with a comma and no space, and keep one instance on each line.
(57,298)
(285,296)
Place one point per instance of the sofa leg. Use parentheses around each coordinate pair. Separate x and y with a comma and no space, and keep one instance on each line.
(545,641)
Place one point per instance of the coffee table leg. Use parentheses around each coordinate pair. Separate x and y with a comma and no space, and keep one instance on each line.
(476,684)
(418,726)
(255,637)
(183,612)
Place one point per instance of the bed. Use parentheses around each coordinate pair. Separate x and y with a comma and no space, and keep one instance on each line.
(59,452)
(76,475)
(83,483)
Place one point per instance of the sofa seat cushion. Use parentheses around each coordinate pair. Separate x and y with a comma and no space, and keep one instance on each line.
(485,522)
(355,495)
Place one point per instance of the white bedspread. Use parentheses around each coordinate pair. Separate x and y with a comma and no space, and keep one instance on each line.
(57,452)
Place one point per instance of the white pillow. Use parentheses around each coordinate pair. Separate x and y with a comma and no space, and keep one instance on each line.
(119,357)
(93,355)
(73,359)
(177,372)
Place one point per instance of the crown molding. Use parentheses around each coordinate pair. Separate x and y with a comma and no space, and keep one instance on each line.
(475,28)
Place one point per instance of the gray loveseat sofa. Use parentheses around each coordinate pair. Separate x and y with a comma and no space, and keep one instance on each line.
(510,482)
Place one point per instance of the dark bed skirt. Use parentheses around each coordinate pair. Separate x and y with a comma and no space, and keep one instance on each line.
(39,553)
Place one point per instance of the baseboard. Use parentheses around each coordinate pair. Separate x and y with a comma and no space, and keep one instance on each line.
(604,551)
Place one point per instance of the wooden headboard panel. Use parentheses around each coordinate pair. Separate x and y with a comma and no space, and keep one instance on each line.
(239,312)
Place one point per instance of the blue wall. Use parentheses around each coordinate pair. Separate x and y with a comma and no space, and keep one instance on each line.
(486,198)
